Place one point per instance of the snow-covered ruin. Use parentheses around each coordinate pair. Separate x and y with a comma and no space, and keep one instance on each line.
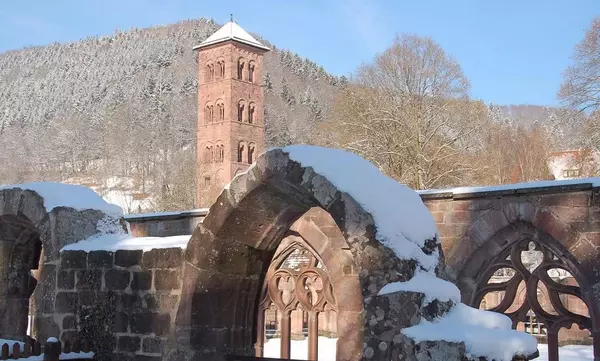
(173,299)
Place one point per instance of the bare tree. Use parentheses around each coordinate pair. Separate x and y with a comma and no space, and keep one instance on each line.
(581,85)
(409,112)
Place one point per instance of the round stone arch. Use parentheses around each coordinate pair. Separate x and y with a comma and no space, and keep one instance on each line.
(30,241)
(230,251)
(497,247)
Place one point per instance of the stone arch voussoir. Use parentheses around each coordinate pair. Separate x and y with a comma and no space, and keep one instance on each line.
(231,249)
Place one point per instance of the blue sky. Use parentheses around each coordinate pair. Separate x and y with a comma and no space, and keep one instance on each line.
(512,51)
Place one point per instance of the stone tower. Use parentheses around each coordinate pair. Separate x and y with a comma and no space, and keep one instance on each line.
(231,132)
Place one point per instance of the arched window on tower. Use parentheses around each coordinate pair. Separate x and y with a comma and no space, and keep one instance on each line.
(208,153)
(210,72)
(240,155)
(241,106)
(251,108)
(221,109)
(251,65)
(251,149)
(221,68)
(240,68)
(208,113)
(220,153)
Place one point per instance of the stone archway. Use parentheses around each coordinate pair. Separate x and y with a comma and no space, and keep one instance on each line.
(32,232)
(504,253)
(230,251)
(20,248)
(317,234)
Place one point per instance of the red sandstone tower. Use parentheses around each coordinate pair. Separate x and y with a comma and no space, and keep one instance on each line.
(231,130)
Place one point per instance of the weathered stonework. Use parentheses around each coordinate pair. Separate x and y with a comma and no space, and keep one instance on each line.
(230,251)
(478,226)
(30,240)
(125,302)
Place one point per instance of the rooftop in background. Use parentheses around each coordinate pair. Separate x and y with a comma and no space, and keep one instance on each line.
(516,188)
(231,31)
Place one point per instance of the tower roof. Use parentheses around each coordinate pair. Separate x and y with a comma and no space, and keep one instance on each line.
(231,31)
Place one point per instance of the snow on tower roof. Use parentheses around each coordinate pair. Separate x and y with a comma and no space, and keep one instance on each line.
(231,31)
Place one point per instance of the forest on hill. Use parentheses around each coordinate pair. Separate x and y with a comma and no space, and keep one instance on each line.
(118,113)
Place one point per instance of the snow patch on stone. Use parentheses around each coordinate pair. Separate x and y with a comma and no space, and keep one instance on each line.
(484,333)
(68,195)
(403,222)
(115,242)
(431,286)
(595,182)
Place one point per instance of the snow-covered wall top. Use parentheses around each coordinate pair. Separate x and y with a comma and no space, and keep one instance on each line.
(403,222)
(594,182)
(68,195)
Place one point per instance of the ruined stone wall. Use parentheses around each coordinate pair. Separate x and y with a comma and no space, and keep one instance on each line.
(123,301)
(165,224)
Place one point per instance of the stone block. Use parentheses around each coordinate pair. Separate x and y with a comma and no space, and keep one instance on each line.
(153,345)
(89,279)
(100,259)
(161,302)
(438,217)
(127,258)
(519,210)
(163,258)
(147,358)
(166,280)
(73,259)
(115,279)
(575,199)
(129,343)
(87,298)
(128,301)
(69,322)
(149,322)
(66,302)
(141,281)
(66,279)
(69,336)
(121,322)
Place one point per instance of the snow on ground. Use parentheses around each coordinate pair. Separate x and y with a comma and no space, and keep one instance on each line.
(595,182)
(68,195)
(299,349)
(403,222)
(327,347)
(114,242)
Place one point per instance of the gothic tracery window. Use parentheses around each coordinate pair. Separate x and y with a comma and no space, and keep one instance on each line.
(297,287)
(526,283)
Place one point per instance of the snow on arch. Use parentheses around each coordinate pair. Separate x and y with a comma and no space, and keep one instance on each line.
(68,195)
(403,224)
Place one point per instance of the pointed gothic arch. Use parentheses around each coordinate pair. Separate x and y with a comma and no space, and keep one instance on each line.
(504,253)
(229,254)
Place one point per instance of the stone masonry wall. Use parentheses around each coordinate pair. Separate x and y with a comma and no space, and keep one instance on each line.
(123,301)
(165,224)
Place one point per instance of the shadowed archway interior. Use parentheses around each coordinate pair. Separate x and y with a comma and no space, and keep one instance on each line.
(20,250)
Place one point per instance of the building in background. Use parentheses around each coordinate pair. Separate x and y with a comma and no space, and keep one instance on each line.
(231,128)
